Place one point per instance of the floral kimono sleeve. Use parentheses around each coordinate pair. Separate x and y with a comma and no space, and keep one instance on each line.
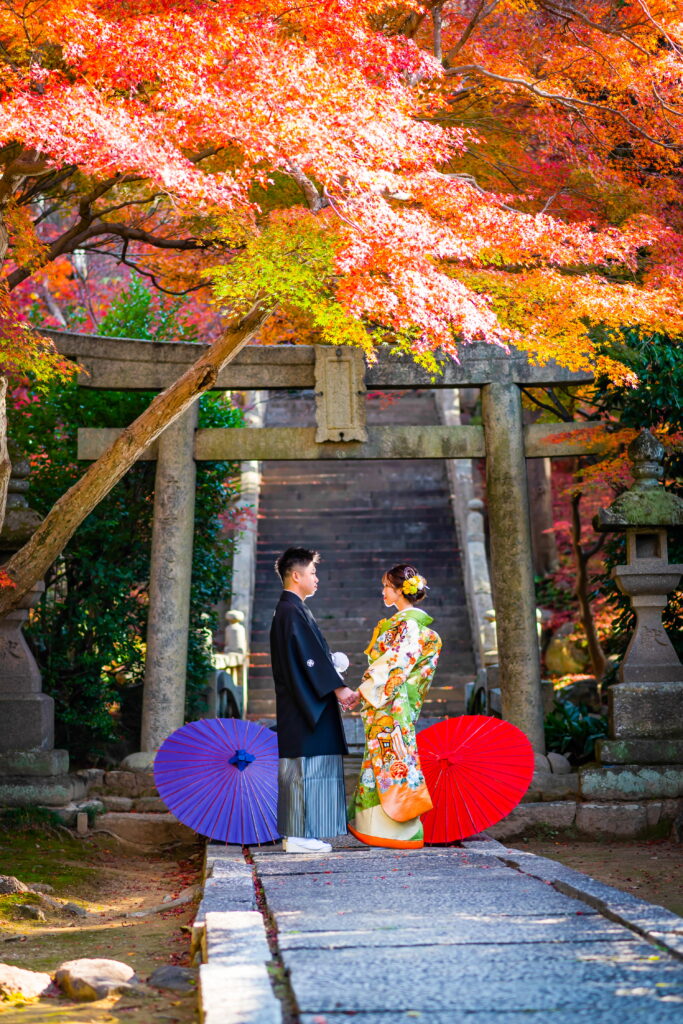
(387,672)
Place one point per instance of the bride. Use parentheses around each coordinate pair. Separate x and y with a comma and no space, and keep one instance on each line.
(391,793)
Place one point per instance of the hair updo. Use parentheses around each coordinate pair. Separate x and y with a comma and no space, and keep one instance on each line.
(398,576)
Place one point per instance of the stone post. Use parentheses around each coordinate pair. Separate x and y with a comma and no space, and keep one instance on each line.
(163,704)
(511,560)
(646,705)
(469,525)
(244,558)
(27,713)
(641,763)
(539,475)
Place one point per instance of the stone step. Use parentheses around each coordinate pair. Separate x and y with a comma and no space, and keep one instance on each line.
(148,831)
(363,517)
(356,641)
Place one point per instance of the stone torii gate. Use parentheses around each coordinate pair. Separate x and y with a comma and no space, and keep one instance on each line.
(340,379)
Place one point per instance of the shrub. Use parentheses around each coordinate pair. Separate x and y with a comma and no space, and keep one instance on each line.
(573,731)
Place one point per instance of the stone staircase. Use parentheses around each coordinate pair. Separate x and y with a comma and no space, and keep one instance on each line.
(363,517)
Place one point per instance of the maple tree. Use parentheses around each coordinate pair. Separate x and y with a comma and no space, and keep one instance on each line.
(424,173)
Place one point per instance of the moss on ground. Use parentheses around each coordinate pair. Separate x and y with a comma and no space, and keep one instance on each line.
(108,882)
(34,857)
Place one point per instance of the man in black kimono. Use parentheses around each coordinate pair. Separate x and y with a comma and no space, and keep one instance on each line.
(308,694)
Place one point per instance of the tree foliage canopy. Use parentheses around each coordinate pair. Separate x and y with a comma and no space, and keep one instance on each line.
(449,171)
(425,172)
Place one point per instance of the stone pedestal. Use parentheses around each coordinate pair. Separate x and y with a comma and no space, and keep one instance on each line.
(640,751)
(31,770)
(646,710)
(27,714)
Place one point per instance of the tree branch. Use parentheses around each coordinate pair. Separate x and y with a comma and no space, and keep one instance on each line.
(556,408)
(81,232)
(478,16)
(436,31)
(121,258)
(316,201)
(646,11)
(597,655)
(567,11)
(572,102)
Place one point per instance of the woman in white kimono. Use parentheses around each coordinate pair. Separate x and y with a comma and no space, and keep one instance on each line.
(391,793)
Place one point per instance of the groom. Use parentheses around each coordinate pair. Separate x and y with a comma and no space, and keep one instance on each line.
(308,693)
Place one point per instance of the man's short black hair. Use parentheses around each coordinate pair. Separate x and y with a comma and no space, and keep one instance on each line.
(295,558)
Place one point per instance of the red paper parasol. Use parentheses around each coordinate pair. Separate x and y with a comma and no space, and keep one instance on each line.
(477,769)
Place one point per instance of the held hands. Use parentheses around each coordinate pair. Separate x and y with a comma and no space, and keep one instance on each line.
(347,698)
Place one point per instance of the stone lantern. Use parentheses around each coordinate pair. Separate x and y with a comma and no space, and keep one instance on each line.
(643,758)
(31,770)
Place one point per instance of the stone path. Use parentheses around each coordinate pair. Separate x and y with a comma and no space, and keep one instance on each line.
(479,933)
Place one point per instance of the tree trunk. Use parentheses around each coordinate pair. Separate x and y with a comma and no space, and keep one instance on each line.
(31,562)
(5,465)
(582,557)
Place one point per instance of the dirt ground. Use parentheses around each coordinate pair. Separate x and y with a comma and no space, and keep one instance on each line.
(651,869)
(108,881)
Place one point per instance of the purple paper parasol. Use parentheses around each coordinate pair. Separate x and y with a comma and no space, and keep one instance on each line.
(219,776)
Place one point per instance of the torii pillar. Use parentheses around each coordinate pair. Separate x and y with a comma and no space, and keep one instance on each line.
(512,570)
(163,706)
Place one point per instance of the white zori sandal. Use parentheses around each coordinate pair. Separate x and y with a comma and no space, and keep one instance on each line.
(296,844)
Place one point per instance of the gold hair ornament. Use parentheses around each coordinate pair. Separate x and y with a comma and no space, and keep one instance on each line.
(414,584)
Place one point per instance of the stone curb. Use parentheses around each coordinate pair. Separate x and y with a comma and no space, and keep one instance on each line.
(234,984)
(657,924)
(237,994)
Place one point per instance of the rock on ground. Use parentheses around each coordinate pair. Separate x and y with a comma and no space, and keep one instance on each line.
(15,981)
(88,979)
(27,910)
(559,763)
(117,803)
(74,909)
(10,886)
(180,979)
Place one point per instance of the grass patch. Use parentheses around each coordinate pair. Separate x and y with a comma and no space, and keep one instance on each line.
(32,856)
(13,819)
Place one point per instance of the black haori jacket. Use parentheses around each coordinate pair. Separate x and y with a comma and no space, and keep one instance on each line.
(308,717)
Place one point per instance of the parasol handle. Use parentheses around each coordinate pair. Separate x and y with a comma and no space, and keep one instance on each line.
(448,762)
(241,759)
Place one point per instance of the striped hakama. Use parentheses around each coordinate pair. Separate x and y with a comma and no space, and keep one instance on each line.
(311,796)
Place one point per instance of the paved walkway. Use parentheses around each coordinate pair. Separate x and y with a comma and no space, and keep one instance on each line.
(479,933)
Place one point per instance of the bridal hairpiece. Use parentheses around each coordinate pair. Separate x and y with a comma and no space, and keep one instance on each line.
(414,584)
